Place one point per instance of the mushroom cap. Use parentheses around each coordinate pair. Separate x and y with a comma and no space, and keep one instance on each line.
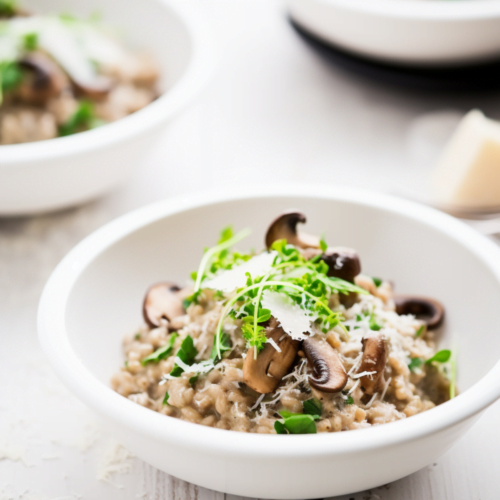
(162,302)
(43,79)
(342,263)
(265,373)
(285,227)
(430,311)
(374,360)
(328,372)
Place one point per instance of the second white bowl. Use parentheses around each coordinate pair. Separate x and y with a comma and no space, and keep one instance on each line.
(410,32)
(65,171)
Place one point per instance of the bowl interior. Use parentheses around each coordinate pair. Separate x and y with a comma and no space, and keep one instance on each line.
(105,302)
(147,25)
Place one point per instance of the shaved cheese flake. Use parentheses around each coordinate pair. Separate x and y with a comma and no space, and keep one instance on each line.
(362,374)
(274,344)
(291,317)
(229,280)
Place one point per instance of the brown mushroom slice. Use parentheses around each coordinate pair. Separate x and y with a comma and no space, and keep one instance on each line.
(97,90)
(162,302)
(342,263)
(43,79)
(328,372)
(430,311)
(264,373)
(373,360)
(285,227)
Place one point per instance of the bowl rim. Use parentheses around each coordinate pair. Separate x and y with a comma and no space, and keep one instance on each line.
(113,407)
(421,10)
(196,75)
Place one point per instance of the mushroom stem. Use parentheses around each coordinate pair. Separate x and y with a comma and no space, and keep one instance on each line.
(373,362)
(264,372)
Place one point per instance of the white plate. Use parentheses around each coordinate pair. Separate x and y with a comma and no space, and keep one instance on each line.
(94,297)
(416,32)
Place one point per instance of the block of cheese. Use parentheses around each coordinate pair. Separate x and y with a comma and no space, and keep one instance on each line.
(468,173)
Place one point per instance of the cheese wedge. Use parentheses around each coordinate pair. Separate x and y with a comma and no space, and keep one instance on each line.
(468,173)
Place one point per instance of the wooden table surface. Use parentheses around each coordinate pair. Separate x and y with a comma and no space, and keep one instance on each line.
(274,112)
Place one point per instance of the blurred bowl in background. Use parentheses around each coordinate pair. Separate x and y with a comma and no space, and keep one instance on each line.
(406,32)
(57,173)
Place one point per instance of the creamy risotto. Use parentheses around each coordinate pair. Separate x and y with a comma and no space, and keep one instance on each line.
(291,340)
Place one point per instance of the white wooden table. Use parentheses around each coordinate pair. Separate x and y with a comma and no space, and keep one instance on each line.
(275,112)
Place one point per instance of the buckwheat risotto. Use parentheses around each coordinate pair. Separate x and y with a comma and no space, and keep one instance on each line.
(291,340)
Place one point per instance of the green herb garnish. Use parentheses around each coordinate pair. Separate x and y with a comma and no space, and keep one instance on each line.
(83,118)
(415,364)
(11,76)
(349,400)
(322,244)
(7,7)
(296,423)
(377,281)
(162,352)
(420,331)
(165,399)
(373,325)
(186,354)
(442,356)
(312,407)
(30,41)
(218,253)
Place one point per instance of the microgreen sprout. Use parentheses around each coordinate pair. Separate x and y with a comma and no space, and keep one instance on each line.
(211,252)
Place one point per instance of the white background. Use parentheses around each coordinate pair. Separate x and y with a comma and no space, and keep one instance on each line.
(275,112)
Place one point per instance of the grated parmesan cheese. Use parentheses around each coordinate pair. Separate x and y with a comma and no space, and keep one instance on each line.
(229,280)
(290,316)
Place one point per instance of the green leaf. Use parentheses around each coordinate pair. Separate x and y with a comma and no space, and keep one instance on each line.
(82,119)
(420,331)
(280,428)
(255,337)
(226,234)
(377,281)
(137,336)
(186,353)
(442,356)
(299,423)
(322,243)
(11,75)
(165,399)
(30,41)
(349,400)
(373,323)
(161,353)
(312,407)
(415,363)
(8,7)
(225,345)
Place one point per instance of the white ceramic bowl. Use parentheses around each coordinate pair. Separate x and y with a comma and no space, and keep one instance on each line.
(417,32)
(56,173)
(94,297)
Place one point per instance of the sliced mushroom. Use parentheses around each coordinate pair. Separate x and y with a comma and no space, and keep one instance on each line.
(430,311)
(95,90)
(342,263)
(162,302)
(373,360)
(328,372)
(285,227)
(43,79)
(264,373)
